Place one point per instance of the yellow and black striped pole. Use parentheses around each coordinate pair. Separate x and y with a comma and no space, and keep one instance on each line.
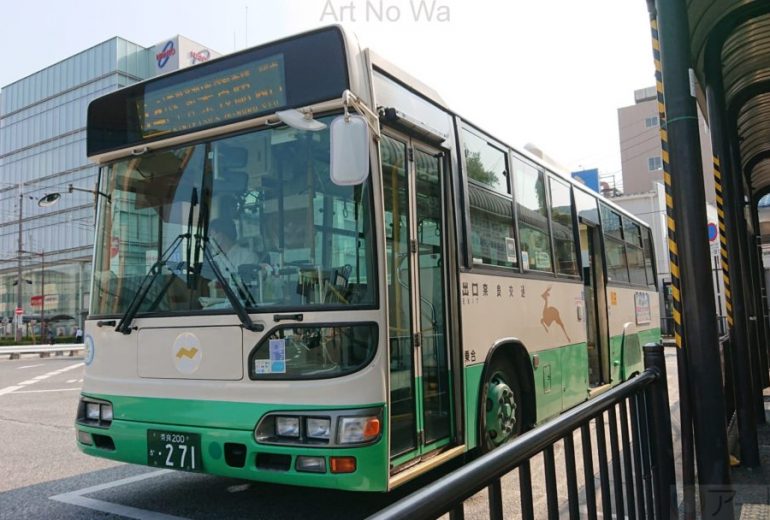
(673,251)
(686,419)
(723,241)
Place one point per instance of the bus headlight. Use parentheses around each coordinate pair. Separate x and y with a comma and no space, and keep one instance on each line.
(106,412)
(354,430)
(318,428)
(321,429)
(287,426)
(92,412)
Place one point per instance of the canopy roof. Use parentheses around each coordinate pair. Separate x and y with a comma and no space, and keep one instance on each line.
(736,33)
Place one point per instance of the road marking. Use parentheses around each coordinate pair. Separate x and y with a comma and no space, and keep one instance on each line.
(42,391)
(9,389)
(76,498)
(29,366)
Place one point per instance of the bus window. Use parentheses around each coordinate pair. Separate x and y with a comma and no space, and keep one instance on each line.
(648,262)
(611,223)
(532,210)
(617,270)
(632,233)
(585,205)
(491,210)
(485,164)
(636,265)
(633,237)
(615,249)
(492,237)
(561,225)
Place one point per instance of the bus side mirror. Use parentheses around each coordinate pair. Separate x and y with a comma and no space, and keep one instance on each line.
(349,150)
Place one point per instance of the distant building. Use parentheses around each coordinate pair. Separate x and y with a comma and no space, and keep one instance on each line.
(43,150)
(640,151)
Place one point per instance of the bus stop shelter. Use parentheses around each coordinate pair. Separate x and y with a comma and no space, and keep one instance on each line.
(716,54)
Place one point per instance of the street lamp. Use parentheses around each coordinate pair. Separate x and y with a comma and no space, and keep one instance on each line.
(45,201)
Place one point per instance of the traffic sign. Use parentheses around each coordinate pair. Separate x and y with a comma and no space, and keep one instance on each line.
(19,311)
(713,232)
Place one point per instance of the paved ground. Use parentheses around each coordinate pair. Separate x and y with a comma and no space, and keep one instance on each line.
(43,475)
(752,486)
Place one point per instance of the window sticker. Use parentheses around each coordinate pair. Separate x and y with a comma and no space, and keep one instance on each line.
(278,356)
(262,366)
(510,249)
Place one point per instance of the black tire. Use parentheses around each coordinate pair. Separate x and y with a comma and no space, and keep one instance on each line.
(500,379)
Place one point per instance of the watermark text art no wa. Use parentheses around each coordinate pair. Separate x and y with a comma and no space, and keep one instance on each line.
(384,11)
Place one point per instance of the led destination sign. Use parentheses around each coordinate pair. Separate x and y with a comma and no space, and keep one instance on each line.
(217,98)
(299,71)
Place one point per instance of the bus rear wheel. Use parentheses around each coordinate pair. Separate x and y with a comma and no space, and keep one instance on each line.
(501,409)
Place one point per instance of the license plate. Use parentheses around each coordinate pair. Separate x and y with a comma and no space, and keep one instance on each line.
(175,450)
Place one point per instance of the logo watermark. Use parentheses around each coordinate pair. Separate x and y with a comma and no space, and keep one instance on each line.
(339,11)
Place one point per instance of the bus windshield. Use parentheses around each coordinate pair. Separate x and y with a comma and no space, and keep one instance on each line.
(256,212)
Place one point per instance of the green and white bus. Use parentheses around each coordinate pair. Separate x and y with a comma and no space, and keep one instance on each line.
(309,270)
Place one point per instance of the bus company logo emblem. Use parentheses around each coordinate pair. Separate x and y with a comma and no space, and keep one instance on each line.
(164,55)
(551,314)
(187,353)
(90,350)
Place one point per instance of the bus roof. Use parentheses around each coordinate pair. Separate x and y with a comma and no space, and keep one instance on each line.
(430,94)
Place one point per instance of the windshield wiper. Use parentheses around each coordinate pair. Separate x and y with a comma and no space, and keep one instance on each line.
(239,308)
(124,326)
(191,279)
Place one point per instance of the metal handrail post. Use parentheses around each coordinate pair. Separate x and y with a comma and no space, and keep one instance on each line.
(659,415)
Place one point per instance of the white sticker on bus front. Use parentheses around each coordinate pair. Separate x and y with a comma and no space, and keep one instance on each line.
(262,366)
(278,356)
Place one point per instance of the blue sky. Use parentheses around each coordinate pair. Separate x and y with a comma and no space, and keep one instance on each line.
(550,72)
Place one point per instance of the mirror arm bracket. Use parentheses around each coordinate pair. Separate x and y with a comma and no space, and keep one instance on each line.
(372,119)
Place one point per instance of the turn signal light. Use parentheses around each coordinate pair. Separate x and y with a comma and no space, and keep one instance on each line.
(355,430)
(342,464)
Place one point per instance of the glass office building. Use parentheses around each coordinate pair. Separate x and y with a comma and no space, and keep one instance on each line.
(43,150)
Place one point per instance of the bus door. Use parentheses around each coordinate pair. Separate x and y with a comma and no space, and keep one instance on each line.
(597,328)
(420,396)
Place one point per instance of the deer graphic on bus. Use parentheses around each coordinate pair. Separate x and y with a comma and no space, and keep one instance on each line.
(551,315)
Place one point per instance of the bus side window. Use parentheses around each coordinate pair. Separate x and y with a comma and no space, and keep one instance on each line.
(562,229)
(492,236)
(532,212)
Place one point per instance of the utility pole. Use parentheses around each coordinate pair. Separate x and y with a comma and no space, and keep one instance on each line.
(19,280)
(42,297)
(41,254)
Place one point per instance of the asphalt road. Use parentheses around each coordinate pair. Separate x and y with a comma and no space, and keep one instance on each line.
(44,475)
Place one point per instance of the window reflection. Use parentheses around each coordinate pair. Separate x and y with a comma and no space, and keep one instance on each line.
(532,209)
(258,207)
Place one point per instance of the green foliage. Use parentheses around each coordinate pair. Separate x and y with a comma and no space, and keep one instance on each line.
(476,169)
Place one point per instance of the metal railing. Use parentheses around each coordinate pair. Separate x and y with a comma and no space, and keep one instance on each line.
(15,350)
(636,477)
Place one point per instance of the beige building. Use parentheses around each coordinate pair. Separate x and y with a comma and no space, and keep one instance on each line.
(640,151)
